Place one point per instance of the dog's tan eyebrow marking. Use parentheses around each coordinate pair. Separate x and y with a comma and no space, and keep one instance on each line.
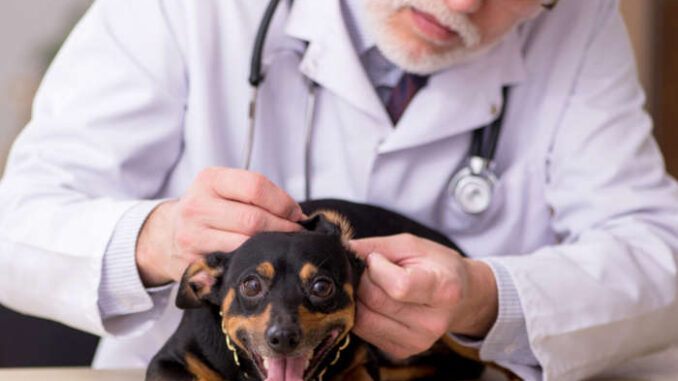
(307,272)
(266,270)
(357,371)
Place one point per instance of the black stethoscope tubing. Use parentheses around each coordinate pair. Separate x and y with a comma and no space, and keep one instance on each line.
(488,151)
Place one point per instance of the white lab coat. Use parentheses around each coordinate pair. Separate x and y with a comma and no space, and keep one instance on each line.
(146,93)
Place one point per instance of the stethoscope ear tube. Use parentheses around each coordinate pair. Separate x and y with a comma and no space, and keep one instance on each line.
(310,113)
(256,75)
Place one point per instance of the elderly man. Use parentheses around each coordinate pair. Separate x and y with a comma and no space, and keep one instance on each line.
(129,171)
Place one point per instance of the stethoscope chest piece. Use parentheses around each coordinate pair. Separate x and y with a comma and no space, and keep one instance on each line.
(473,186)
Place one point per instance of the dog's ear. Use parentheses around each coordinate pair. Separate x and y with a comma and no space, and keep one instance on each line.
(358,267)
(329,222)
(200,280)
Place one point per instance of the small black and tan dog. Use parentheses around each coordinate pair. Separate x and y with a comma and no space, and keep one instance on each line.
(281,308)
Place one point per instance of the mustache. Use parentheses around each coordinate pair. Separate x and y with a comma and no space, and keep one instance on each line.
(456,22)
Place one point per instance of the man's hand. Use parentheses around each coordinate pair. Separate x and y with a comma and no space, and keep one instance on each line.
(221,209)
(415,290)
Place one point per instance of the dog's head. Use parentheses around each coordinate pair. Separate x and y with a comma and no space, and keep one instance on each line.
(287,300)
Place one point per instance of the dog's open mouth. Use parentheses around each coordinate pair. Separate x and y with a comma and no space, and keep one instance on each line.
(297,368)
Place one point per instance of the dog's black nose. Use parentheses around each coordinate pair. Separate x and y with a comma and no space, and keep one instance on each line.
(283,338)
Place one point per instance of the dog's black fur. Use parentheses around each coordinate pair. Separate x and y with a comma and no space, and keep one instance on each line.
(290,274)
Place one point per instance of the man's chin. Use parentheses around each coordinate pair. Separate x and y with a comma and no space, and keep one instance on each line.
(425,59)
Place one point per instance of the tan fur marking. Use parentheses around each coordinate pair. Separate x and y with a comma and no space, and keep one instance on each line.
(228,300)
(358,374)
(356,370)
(349,290)
(307,272)
(254,325)
(200,370)
(339,220)
(266,270)
(406,373)
(201,265)
(201,272)
(314,320)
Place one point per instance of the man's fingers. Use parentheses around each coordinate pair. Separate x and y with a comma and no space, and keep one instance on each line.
(387,334)
(245,219)
(396,247)
(253,188)
(411,284)
(205,241)
(215,240)
(372,295)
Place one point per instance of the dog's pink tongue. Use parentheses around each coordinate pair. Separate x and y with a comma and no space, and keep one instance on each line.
(286,369)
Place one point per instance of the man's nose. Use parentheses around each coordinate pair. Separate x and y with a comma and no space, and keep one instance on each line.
(464,6)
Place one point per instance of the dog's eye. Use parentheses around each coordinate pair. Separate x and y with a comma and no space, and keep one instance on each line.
(251,287)
(322,288)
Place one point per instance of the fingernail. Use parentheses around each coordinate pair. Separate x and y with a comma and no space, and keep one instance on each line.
(371,258)
(297,215)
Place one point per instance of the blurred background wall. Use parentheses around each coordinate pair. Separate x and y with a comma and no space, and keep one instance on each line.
(32,30)
(30,33)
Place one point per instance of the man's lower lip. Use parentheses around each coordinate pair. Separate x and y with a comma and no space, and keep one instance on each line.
(429,26)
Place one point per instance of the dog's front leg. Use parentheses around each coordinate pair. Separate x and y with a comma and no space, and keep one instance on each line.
(357,374)
(167,370)
(172,370)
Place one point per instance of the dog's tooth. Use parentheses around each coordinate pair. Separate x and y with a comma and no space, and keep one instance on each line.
(266,363)
(308,362)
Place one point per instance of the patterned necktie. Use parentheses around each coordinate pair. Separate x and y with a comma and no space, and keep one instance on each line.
(402,94)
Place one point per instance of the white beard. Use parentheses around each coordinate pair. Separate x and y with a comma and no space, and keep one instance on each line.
(417,58)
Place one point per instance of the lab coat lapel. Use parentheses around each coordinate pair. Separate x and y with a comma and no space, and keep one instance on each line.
(460,99)
(331,59)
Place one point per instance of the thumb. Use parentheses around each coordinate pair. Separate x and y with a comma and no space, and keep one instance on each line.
(403,284)
(388,276)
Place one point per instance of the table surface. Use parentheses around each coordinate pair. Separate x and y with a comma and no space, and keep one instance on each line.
(70,374)
(88,374)
(658,366)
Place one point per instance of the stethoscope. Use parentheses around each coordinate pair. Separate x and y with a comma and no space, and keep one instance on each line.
(472,185)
